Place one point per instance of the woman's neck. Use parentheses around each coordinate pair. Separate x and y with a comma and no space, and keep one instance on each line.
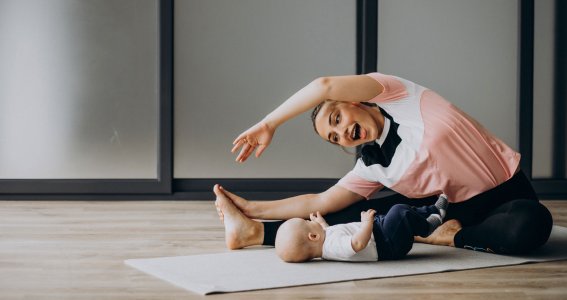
(378,118)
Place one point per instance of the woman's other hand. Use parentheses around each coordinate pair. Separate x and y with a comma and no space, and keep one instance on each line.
(257,137)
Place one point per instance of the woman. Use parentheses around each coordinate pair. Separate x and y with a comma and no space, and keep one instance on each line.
(415,143)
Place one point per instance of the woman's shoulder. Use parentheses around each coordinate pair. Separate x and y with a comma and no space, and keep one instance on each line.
(394,87)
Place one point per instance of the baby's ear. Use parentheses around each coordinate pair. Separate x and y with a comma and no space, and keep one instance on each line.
(314,236)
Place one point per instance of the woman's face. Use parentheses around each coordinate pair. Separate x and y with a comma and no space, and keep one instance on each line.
(347,124)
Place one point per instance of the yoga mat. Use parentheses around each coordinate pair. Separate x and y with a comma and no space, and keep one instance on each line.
(260,268)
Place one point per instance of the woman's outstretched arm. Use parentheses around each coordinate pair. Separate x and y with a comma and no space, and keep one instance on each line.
(351,88)
(331,200)
(237,213)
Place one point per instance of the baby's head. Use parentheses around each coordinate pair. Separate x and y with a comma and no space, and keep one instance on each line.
(299,240)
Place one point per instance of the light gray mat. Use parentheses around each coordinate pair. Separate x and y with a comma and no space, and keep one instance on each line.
(260,268)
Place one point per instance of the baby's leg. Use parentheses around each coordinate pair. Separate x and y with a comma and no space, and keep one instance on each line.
(351,213)
(434,214)
(395,231)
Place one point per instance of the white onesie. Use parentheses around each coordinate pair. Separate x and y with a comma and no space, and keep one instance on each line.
(337,244)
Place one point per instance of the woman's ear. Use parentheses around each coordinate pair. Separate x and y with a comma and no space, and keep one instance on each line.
(314,236)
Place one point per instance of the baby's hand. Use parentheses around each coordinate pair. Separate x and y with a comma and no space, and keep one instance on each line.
(367,216)
(316,217)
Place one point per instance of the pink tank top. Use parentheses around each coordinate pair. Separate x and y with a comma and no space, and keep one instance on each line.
(428,147)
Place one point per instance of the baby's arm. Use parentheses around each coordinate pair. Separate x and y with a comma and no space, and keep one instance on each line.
(360,240)
(316,217)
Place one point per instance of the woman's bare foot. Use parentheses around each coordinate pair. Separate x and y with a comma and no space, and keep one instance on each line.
(444,235)
(239,230)
(243,205)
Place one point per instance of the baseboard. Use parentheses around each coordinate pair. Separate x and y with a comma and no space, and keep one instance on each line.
(252,189)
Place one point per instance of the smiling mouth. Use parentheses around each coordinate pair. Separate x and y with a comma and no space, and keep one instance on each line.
(356,132)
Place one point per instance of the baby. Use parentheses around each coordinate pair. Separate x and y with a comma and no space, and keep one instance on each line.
(381,237)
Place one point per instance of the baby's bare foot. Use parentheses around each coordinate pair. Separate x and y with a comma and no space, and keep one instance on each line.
(239,230)
(444,235)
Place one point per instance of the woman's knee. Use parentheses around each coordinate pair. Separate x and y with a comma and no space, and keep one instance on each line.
(542,221)
(530,227)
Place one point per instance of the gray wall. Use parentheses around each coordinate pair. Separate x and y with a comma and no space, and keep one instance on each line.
(465,50)
(78,89)
(543,87)
(238,60)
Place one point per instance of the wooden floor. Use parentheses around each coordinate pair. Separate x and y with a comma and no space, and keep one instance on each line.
(75,250)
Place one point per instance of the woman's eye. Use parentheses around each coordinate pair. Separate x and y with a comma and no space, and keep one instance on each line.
(336,139)
(337,118)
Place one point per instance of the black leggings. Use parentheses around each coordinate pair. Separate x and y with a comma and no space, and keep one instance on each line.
(507,219)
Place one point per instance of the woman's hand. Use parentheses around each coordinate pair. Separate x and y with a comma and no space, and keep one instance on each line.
(258,136)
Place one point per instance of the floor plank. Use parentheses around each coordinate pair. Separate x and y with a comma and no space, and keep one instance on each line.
(76,249)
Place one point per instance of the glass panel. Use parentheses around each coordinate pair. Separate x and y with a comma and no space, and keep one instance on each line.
(543,88)
(238,60)
(78,89)
(466,50)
